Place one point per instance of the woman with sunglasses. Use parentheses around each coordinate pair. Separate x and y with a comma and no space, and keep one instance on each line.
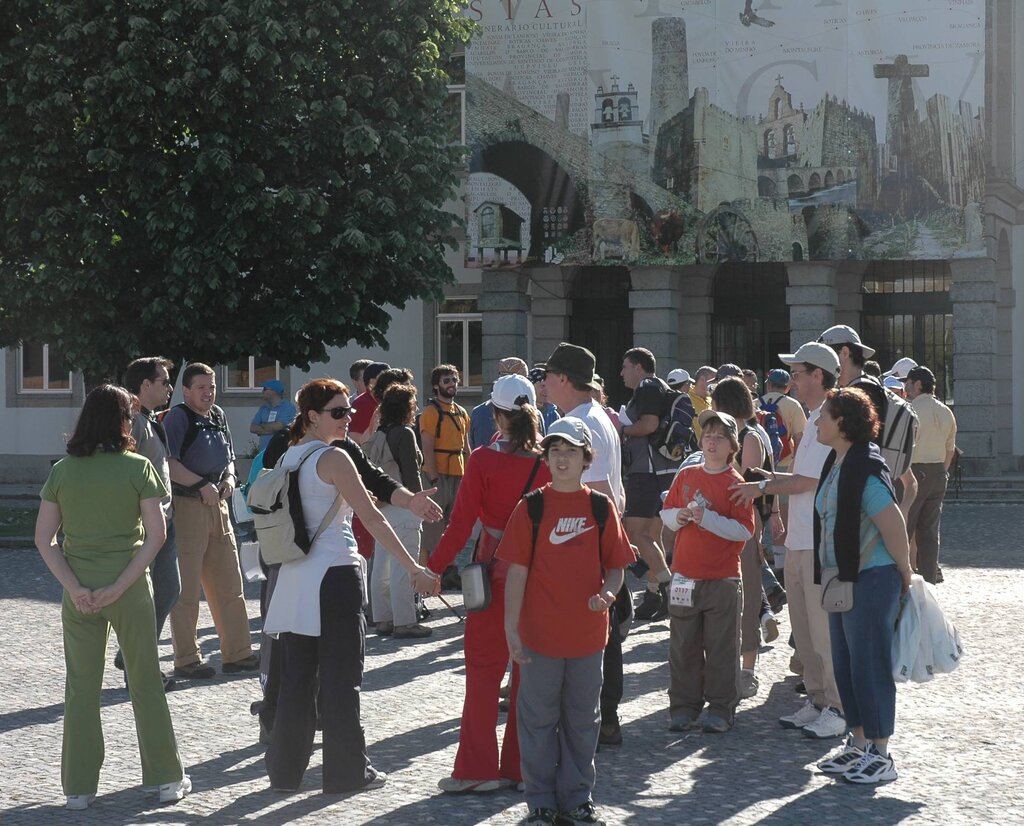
(107,499)
(316,607)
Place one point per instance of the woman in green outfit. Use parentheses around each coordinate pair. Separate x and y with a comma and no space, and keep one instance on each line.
(108,500)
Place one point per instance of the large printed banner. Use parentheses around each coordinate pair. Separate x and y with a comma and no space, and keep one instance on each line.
(703,131)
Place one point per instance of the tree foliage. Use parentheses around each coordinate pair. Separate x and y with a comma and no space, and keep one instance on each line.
(221,178)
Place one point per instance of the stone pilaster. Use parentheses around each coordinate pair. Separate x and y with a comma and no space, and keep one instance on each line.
(549,308)
(654,300)
(812,296)
(504,305)
(695,310)
(975,299)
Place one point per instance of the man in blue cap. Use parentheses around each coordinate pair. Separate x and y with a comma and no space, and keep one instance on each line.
(275,414)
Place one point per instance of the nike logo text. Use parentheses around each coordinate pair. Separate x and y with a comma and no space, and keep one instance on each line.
(568,528)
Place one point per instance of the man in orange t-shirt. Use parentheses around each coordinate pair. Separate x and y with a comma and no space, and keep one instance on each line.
(557,596)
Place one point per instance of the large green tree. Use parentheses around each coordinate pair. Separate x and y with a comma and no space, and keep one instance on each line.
(220,178)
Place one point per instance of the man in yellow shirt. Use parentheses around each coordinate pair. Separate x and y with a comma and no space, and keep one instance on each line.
(699,394)
(933,453)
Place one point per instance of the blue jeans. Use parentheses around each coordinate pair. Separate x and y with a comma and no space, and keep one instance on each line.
(862,652)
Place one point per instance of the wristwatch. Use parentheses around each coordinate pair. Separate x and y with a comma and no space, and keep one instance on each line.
(762,485)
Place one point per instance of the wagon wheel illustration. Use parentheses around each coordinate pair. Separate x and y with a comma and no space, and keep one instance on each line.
(725,234)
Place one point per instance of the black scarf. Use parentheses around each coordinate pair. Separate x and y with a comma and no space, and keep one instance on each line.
(862,460)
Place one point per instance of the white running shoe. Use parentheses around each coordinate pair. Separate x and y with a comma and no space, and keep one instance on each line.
(748,684)
(843,758)
(769,627)
(830,723)
(871,768)
(173,792)
(807,713)
(78,802)
(458,785)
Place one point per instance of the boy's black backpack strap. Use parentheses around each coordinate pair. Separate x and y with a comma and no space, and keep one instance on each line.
(535,508)
(600,505)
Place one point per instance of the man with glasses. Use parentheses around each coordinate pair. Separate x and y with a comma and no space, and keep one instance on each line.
(149,379)
(444,427)
(814,370)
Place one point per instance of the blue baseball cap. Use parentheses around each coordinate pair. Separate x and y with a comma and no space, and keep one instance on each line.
(275,385)
(778,377)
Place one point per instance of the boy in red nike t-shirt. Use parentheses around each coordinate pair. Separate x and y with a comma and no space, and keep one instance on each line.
(705,593)
(557,597)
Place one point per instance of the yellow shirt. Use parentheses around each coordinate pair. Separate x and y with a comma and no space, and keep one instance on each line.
(699,403)
(936,430)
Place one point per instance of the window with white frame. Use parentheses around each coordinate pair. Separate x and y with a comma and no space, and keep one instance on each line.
(455,106)
(42,368)
(249,373)
(460,339)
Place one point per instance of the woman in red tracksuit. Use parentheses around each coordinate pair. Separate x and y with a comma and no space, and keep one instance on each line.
(496,478)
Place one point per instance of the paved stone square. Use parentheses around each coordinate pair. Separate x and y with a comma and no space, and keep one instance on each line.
(959,742)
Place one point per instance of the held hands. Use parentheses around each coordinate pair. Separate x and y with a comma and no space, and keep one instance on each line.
(424,507)
(87,601)
(426,582)
(515,645)
(226,488)
(691,514)
(601,602)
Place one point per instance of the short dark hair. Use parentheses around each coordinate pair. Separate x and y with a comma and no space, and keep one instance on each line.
(105,422)
(442,370)
(196,368)
(873,368)
(828,378)
(731,395)
(716,425)
(852,408)
(386,378)
(643,358)
(355,372)
(397,405)
(142,369)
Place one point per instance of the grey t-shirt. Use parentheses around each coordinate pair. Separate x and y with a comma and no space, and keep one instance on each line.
(211,451)
(149,442)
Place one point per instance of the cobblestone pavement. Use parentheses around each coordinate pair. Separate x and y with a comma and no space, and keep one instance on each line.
(958,742)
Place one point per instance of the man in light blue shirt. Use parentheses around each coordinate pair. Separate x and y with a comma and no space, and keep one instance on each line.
(275,414)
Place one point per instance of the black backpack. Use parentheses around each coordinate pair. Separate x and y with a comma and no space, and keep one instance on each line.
(675,438)
(197,424)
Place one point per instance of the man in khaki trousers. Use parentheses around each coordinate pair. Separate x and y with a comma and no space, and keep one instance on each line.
(202,466)
(814,368)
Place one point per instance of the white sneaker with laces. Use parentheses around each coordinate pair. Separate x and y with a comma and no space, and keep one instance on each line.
(842,758)
(78,802)
(807,713)
(748,684)
(173,792)
(769,627)
(458,785)
(871,768)
(830,723)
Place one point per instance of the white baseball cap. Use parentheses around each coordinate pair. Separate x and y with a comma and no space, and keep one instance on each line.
(573,430)
(842,334)
(678,376)
(512,392)
(820,355)
(901,368)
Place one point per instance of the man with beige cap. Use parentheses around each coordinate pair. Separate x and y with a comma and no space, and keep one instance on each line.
(814,370)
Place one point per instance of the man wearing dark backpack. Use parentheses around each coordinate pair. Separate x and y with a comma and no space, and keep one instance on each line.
(202,467)
(444,428)
(852,353)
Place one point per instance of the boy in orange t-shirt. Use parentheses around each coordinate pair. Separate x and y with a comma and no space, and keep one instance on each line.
(557,596)
(705,594)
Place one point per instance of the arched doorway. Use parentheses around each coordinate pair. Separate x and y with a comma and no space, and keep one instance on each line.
(907,311)
(601,321)
(750,320)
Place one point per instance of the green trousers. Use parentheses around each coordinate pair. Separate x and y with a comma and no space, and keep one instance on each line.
(85,650)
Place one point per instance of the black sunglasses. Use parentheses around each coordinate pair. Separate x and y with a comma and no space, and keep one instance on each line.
(339,412)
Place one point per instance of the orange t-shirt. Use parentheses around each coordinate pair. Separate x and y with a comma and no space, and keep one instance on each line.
(700,554)
(566,569)
(450,444)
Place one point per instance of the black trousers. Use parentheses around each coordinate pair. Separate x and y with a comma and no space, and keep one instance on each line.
(612,687)
(338,654)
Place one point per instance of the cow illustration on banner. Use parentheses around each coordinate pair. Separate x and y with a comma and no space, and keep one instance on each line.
(704,131)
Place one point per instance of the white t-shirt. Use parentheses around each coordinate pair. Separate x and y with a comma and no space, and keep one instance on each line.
(607,464)
(810,459)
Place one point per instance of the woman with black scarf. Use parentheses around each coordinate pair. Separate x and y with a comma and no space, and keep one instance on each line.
(862,559)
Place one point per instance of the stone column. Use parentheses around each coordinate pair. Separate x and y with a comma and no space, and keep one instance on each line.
(812,296)
(975,299)
(695,310)
(504,304)
(654,300)
(549,308)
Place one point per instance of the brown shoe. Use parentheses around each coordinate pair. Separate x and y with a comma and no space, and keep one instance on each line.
(417,631)
(195,671)
(250,663)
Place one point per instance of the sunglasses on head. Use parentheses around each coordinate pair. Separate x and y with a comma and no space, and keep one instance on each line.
(339,412)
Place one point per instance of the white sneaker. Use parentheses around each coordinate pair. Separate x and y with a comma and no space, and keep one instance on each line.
(843,758)
(769,627)
(871,768)
(748,684)
(807,713)
(78,802)
(173,792)
(457,785)
(830,723)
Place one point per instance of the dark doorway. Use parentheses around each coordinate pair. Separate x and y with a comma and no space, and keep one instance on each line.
(750,321)
(907,311)
(601,321)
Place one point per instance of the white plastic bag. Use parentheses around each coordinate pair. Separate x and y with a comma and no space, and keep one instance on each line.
(906,641)
(926,642)
(249,558)
(938,634)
